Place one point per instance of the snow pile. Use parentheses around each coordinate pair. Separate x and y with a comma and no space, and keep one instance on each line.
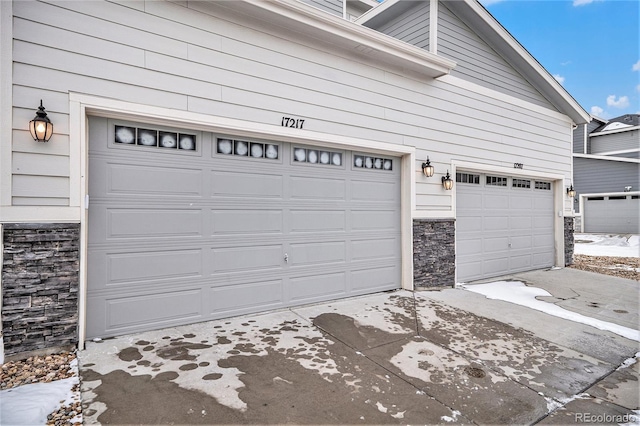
(520,294)
(607,245)
(31,404)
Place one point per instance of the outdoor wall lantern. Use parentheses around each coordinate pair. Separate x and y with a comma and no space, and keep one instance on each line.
(41,127)
(427,168)
(571,192)
(447,182)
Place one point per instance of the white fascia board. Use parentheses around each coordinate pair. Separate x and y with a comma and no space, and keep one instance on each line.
(610,194)
(563,99)
(607,158)
(622,151)
(376,11)
(367,41)
(614,131)
(488,168)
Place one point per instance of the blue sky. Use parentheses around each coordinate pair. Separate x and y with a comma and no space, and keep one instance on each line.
(591,46)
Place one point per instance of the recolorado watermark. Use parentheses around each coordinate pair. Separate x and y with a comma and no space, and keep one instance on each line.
(605,418)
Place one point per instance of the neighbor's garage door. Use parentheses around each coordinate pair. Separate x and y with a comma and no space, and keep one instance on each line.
(187,226)
(503,225)
(616,214)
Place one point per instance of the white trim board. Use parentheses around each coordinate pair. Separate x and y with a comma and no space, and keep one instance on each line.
(6,100)
(607,158)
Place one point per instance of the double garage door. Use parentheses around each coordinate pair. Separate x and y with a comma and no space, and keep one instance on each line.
(188,226)
(504,224)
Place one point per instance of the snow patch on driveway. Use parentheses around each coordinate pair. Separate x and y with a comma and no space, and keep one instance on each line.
(520,294)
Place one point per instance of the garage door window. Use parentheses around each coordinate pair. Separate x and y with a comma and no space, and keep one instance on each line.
(468,178)
(496,181)
(241,148)
(151,138)
(317,156)
(546,186)
(375,163)
(521,183)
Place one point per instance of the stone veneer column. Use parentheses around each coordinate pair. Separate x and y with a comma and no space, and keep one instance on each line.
(568,241)
(40,278)
(434,253)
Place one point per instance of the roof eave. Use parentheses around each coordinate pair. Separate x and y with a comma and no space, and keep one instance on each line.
(299,16)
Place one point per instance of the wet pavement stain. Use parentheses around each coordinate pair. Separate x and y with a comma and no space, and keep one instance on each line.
(180,351)
(129,354)
(347,329)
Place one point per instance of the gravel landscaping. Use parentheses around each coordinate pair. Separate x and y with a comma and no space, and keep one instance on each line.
(623,267)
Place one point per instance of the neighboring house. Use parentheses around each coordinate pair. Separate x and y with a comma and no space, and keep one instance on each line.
(606,175)
(211,159)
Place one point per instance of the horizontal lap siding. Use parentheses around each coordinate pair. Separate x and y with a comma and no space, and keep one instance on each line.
(411,27)
(214,66)
(333,7)
(615,142)
(478,62)
(592,176)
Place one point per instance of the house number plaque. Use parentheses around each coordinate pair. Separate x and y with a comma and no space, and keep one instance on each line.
(294,123)
(518,165)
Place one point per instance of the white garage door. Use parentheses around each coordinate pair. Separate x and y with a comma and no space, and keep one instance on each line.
(187,226)
(503,225)
(616,214)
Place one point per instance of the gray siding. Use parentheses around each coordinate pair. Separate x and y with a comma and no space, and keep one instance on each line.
(578,139)
(591,176)
(412,26)
(615,142)
(201,59)
(331,6)
(478,62)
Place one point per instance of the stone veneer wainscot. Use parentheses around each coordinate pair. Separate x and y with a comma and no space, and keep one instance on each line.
(434,256)
(40,278)
(568,241)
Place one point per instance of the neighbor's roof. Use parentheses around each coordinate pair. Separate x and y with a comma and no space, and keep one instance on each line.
(483,23)
(622,122)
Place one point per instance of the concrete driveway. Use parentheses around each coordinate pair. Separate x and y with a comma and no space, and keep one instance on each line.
(449,356)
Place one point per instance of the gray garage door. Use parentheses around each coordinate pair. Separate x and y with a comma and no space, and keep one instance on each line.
(188,226)
(616,214)
(503,225)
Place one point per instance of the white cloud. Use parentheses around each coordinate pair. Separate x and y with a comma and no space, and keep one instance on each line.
(597,111)
(622,101)
(559,78)
(583,2)
(636,66)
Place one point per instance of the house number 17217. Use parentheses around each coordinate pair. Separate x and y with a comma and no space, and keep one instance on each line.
(294,123)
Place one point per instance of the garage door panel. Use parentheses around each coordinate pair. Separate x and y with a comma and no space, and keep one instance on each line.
(364,220)
(543,204)
(544,240)
(470,201)
(378,278)
(469,223)
(310,288)
(154,309)
(317,188)
(496,266)
(520,202)
(125,223)
(317,253)
(542,259)
(469,246)
(521,242)
(144,180)
(242,184)
(496,201)
(148,265)
(520,263)
(520,223)
(375,249)
(317,220)
(495,223)
(495,244)
(246,221)
(246,297)
(246,258)
(372,191)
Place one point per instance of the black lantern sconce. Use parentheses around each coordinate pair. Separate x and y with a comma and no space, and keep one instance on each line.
(41,127)
(571,192)
(447,182)
(427,168)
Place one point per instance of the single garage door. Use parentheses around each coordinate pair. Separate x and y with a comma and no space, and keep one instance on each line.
(503,225)
(189,226)
(616,214)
